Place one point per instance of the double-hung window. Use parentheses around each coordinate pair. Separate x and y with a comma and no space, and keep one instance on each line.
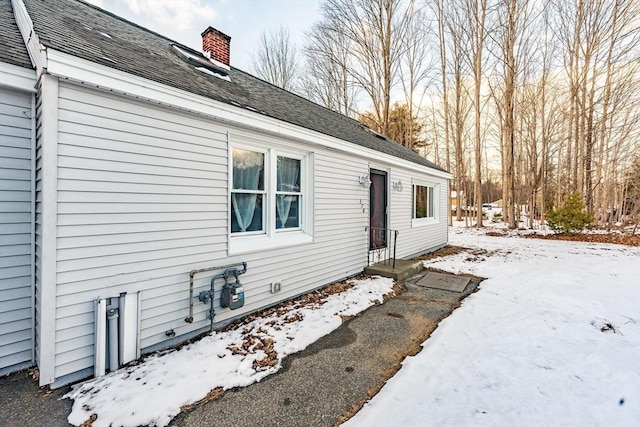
(269,194)
(424,204)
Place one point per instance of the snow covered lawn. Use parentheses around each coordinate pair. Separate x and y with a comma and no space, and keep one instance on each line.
(552,338)
(153,392)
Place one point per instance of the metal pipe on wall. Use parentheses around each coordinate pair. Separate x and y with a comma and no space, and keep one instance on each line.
(192,273)
(112,319)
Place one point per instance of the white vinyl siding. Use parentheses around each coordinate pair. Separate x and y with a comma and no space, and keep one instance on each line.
(417,236)
(16,265)
(143,199)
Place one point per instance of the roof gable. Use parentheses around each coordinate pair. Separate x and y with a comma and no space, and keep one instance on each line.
(90,33)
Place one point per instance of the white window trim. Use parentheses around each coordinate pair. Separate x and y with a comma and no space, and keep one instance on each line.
(435,219)
(271,237)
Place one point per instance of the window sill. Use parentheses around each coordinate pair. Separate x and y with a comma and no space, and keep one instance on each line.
(421,222)
(246,244)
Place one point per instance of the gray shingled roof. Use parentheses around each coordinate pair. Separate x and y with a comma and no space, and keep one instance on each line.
(86,31)
(12,48)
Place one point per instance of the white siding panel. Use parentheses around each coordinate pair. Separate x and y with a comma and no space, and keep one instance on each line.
(142,200)
(15,229)
(417,239)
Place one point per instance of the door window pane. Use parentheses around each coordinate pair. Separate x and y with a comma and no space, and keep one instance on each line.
(378,210)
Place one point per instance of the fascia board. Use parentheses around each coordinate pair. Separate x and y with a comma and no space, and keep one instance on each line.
(19,78)
(87,72)
(36,51)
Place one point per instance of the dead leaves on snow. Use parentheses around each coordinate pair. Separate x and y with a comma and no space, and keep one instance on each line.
(619,239)
(442,252)
(317,298)
(89,421)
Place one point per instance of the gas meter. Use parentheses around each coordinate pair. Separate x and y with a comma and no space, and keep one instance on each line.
(232,291)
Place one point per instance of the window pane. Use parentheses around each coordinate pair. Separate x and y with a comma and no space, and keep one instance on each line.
(248,170)
(288,175)
(246,212)
(420,201)
(287,211)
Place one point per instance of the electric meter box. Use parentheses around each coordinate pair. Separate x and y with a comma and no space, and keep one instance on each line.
(232,296)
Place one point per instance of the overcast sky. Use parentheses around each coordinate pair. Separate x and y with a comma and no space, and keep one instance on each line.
(243,20)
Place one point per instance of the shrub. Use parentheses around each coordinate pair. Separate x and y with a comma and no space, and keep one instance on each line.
(571,218)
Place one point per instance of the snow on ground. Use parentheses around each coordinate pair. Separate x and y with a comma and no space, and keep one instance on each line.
(552,338)
(152,392)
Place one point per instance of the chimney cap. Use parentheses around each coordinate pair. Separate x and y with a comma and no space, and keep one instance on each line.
(210,29)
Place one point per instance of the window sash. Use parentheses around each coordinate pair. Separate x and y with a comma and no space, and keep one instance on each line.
(248,194)
(288,194)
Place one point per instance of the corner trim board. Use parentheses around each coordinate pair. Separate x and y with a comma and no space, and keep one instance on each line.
(48,283)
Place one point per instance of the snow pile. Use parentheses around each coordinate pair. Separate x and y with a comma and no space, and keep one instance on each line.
(552,338)
(153,392)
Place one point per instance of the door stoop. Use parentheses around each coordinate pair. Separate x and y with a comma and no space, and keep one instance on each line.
(404,269)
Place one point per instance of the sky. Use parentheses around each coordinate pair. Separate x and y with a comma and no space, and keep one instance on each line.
(551,338)
(243,20)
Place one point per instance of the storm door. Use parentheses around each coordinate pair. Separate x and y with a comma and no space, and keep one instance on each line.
(377,209)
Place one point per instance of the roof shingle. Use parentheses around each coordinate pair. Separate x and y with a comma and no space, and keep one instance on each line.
(12,48)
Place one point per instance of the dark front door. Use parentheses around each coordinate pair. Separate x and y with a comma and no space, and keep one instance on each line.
(377,209)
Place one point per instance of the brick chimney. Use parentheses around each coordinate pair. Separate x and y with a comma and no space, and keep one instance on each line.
(217,44)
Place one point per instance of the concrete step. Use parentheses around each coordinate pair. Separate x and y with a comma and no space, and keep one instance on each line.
(403,270)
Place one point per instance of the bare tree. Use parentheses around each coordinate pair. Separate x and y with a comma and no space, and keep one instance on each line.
(415,63)
(476,14)
(600,38)
(327,79)
(276,58)
(457,99)
(442,45)
(564,77)
(375,33)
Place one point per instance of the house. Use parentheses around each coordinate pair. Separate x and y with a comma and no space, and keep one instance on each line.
(171,193)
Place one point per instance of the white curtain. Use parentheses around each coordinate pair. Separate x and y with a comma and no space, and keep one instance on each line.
(247,168)
(288,180)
